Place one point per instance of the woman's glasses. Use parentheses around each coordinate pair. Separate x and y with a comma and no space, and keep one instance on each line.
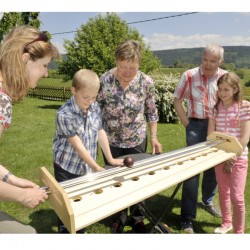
(42,37)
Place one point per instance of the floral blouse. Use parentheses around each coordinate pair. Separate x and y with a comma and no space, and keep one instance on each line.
(126,112)
(5,109)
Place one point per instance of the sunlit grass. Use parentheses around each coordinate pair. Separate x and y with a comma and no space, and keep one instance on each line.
(27,146)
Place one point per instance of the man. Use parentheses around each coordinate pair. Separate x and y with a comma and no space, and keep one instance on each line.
(198,88)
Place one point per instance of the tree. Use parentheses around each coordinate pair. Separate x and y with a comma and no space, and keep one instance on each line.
(12,19)
(95,43)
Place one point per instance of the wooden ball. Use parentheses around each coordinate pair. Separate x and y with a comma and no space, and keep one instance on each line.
(128,162)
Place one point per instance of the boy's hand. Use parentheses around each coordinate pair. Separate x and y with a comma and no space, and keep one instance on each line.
(116,162)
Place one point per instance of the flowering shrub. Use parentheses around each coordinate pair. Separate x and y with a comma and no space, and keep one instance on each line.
(165,85)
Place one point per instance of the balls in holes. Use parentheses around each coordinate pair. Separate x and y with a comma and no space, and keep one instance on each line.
(128,161)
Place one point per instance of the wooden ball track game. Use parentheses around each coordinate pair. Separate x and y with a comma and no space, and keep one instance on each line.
(85,200)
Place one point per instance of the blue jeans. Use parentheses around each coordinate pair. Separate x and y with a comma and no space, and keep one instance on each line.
(196,132)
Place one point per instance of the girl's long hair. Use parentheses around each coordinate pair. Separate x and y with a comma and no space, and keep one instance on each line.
(22,39)
(234,81)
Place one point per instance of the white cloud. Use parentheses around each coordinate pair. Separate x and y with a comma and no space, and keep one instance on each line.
(162,41)
(60,47)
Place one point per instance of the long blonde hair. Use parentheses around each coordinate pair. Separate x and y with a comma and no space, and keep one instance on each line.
(20,40)
(234,81)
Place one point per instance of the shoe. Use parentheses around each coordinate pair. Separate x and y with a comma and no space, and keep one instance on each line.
(187,227)
(117,228)
(222,230)
(64,230)
(212,209)
(139,227)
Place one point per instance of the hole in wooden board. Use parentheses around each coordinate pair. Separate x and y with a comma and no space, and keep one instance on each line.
(136,178)
(166,168)
(151,173)
(118,184)
(98,191)
(77,199)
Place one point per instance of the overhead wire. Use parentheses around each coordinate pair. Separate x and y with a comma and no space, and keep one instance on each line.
(141,21)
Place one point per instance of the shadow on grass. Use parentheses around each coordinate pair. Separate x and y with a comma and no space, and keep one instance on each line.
(161,207)
(168,211)
(44,221)
(52,106)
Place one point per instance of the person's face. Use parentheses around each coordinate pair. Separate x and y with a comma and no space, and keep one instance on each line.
(210,63)
(127,70)
(37,69)
(226,93)
(84,97)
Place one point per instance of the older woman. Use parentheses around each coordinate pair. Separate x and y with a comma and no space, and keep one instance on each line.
(127,99)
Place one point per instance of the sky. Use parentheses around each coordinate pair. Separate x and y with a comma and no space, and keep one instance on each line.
(170,30)
(178,24)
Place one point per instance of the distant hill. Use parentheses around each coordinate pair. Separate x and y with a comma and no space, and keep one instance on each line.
(238,55)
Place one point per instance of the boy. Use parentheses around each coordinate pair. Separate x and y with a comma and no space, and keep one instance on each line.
(78,128)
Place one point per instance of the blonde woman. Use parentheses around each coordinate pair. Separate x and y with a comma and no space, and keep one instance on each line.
(24,57)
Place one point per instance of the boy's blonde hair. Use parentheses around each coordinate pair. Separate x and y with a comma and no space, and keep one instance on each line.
(20,40)
(86,78)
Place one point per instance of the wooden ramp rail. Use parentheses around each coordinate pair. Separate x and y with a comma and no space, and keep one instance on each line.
(88,199)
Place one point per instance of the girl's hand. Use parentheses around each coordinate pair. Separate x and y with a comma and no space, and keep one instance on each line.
(228,168)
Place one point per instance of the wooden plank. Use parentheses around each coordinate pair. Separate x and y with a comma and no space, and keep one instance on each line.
(58,199)
(231,144)
(83,204)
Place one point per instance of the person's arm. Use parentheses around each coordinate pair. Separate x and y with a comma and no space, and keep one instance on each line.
(211,126)
(244,139)
(20,190)
(178,105)
(28,197)
(104,144)
(83,153)
(155,144)
(1,130)
(7,176)
(245,133)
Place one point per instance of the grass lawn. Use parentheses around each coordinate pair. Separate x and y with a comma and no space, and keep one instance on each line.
(27,146)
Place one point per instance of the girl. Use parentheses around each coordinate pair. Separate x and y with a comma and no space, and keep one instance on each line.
(230,115)
(24,57)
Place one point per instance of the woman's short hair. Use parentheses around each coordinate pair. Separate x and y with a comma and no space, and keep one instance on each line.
(129,50)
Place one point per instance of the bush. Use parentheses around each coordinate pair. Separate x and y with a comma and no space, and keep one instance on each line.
(53,73)
(240,73)
(165,85)
(247,84)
